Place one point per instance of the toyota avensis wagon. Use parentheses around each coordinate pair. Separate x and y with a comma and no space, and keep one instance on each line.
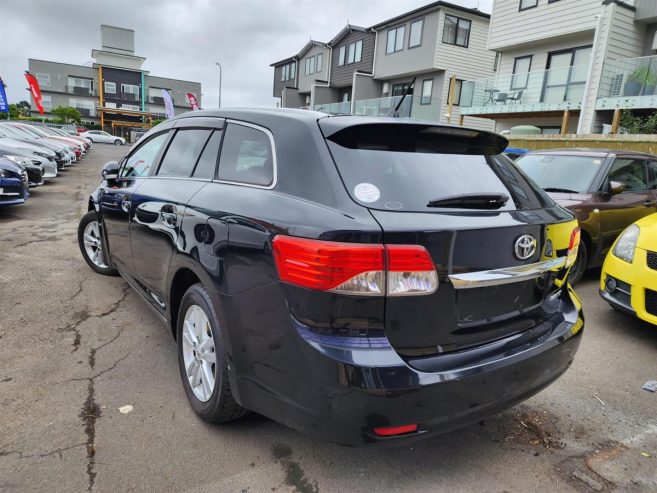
(364,280)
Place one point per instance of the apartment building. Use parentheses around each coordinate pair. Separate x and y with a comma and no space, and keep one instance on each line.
(371,68)
(113,91)
(567,66)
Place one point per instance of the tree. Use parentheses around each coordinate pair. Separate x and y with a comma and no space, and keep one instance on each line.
(24,108)
(13,113)
(637,124)
(66,114)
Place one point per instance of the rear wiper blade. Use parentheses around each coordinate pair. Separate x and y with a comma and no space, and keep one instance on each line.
(472,201)
(561,190)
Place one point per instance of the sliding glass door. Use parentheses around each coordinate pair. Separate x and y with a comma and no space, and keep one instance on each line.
(565,78)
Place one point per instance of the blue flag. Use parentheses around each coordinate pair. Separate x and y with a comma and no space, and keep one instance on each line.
(4,106)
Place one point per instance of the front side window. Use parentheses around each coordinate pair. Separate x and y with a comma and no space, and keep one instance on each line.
(246,156)
(415,37)
(456,31)
(183,152)
(521,67)
(427,87)
(395,40)
(631,173)
(140,161)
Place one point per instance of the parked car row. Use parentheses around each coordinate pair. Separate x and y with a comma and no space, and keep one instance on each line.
(32,154)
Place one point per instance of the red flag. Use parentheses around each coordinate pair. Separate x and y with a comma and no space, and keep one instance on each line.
(35,90)
(192,101)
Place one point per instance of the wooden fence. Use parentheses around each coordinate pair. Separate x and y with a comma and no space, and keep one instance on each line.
(642,143)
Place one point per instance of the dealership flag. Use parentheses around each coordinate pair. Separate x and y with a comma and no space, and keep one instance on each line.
(168,103)
(192,101)
(4,107)
(35,90)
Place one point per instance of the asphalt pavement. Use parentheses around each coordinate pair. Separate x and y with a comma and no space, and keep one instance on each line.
(91,398)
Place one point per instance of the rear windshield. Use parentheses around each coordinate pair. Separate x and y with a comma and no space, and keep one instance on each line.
(556,173)
(386,174)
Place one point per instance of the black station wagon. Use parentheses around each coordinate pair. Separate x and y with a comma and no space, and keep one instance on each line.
(364,280)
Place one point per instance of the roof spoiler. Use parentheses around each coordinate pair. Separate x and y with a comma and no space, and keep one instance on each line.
(404,136)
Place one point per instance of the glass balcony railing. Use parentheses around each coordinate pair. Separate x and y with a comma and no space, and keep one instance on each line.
(546,90)
(341,108)
(383,106)
(628,83)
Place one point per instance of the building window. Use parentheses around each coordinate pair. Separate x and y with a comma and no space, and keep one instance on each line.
(320,58)
(132,107)
(288,71)
(496,63)
(46,101)
(352,53)
(456,31)
(528,4)
(359,51)
(110,105)
(521,67)
(77,85)
(110,87)
(343,50)
(427,88)
(399,89)
(84,106)
(415,36)
(43,79)
(566,74)
(310,65)
(130,91)
(395,40)
(458,85)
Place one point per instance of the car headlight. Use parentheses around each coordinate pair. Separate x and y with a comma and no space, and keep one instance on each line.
(4,173)
(43,154)
(18,160)
(626,244)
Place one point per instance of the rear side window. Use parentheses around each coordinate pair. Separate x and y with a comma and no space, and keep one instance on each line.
(183,152)
(139,162)
(407,167)
(246,156)
(208,160)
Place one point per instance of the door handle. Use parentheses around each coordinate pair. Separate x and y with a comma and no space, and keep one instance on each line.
(169,216)
(126,204)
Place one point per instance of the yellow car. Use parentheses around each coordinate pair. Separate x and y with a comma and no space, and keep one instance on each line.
(629,274)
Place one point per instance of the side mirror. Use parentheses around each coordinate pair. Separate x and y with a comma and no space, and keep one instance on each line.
(616,187)
(110,171)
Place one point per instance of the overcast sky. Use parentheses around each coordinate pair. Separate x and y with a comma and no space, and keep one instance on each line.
(183,39)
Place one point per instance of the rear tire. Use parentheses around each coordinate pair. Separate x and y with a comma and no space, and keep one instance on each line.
(579,267)
(202,360)
(117,142)
(90,242)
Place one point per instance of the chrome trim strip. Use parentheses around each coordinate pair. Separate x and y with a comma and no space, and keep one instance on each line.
(507,275)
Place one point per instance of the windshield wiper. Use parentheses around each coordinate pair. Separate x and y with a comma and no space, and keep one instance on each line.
(472,201)
(560,190)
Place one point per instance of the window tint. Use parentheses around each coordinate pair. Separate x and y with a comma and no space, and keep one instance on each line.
(652,170)
(183,152)
(208,161)
(246,156)
(630,172)
(139,162)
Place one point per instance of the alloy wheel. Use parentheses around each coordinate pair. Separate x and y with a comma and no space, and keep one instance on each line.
(198,353)
(93,244)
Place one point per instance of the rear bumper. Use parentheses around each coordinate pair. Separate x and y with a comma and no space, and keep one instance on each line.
(341,393)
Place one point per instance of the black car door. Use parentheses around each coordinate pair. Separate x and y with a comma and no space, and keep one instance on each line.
(156,227)
(621,210)
(116,199)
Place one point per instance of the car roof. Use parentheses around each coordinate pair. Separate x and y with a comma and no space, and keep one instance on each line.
(591,152)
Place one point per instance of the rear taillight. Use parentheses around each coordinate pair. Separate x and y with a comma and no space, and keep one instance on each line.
(355,268)
(573,246)
(391,431)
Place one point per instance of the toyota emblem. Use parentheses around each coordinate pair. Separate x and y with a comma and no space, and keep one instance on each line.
(525,247)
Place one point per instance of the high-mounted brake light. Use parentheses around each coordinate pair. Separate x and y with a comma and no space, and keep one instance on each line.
(573,246)
(355,268)
(391,431)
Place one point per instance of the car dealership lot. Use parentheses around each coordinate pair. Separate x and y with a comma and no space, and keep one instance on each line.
(90,394)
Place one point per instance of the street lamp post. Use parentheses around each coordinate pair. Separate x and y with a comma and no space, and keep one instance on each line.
(219,65)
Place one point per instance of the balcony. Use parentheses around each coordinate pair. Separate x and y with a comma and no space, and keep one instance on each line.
(541,91)
(81,91)
(156,100)
(129,96)
(342,108)
(86,111)
(383,106)
(628,83)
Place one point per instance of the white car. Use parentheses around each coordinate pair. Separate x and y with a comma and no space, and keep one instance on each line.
(104,137)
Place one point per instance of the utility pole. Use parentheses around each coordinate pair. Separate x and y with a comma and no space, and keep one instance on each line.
(219,65)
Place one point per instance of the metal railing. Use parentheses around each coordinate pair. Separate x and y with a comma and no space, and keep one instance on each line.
(129,96)
(343,108)
(81,91)
(554,89)
(383,106)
